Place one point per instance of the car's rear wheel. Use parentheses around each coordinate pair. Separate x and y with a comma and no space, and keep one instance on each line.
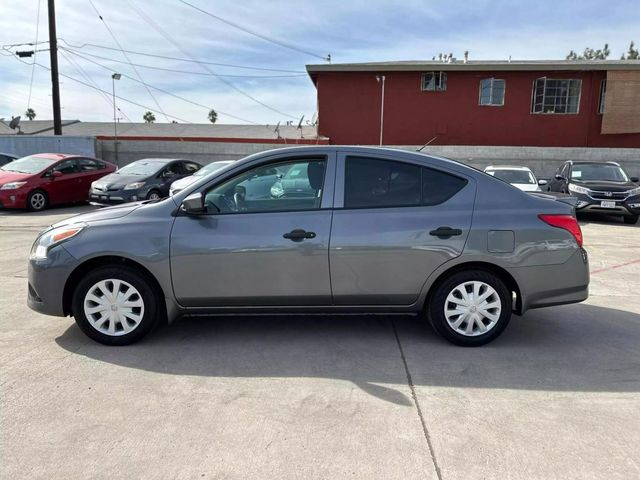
(153,195)
(115,305)
(470,308)
(37,201)
(631,220)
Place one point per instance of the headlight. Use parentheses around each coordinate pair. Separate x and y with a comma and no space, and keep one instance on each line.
(630,193)
(12,185)
(134,186)
(578,189)
(277,190)
(53,237)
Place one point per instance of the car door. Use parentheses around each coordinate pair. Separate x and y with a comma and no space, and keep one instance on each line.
(90,170)
(169,174)
(394,223)
(558,182)
(65,182)
(247,251)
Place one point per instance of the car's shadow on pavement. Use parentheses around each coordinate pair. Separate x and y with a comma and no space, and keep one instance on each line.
(572,348)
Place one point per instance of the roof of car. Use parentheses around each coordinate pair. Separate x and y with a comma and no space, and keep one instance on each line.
(160,160)
(586,162)
(507,167)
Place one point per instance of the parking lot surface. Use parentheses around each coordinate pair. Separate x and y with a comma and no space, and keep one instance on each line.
(556,396)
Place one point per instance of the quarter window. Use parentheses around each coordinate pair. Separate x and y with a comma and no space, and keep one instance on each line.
(556,96)
(375,183)
(190,168)
(434,81)
(287,186)
(492,91)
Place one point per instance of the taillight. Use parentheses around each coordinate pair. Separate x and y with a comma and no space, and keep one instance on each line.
(567,222)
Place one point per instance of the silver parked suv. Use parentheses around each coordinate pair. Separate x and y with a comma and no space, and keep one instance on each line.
(383,231)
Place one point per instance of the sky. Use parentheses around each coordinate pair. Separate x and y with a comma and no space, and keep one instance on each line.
(349,30)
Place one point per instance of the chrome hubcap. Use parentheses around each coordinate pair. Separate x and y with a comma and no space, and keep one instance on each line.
(37,201)
(113,307)
(472,308)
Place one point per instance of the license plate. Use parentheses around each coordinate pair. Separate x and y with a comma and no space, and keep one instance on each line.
(605,204)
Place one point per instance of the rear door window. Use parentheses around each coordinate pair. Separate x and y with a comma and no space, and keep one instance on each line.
(377,183)
(89,165)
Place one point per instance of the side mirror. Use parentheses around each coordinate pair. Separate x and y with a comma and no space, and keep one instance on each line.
(635,179)
(193,204)
(559,177)
(542,181)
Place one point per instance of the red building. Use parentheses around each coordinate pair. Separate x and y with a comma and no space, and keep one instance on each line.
(533,103)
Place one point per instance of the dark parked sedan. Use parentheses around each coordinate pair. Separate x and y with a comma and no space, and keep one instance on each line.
(386,231)
(147,179)
(600,188)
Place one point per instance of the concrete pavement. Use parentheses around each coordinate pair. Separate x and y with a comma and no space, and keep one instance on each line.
(326,397)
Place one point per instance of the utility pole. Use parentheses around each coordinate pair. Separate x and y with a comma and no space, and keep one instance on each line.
(55,86)
(380,79)
(114,77)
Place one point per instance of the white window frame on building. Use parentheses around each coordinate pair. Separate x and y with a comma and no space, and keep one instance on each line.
(434,81)
(495,87)
(603,92)
(556,96)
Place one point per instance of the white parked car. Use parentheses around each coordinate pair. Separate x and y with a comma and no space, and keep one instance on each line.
(520,177)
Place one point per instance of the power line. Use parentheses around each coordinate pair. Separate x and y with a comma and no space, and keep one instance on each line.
(33,67)
(168,37)
(188,72)
(255,34)
(189,60)
(115,39)
(175,95)
(88,78)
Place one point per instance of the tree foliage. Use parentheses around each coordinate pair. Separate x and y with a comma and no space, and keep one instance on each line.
(149,117)
(632,53)
(30,113)
(591,54)
(213,116)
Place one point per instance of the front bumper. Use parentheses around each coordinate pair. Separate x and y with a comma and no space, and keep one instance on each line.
(114,198)
(626,207)
(47,279)
(13,198)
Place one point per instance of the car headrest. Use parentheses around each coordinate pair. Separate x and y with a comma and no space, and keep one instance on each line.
(315,173)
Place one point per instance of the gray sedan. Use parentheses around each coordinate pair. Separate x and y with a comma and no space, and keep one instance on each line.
(384,231)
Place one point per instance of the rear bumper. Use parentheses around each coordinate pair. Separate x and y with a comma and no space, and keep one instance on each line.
(549,285)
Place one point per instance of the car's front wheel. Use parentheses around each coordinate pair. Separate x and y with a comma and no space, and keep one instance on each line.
(153,195)
(37,201)
(470,308)
(115,305)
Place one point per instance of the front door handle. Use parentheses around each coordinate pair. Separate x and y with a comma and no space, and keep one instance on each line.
(298,235)
(445,232)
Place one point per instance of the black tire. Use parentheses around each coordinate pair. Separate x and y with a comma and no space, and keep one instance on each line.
(151,194)
(150,298)
(438,301)
(630,220)
(37,201)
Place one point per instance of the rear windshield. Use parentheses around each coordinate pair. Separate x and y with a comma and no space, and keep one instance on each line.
(589,172)
(513,176)
(141,167)
(212,167)
(31,164)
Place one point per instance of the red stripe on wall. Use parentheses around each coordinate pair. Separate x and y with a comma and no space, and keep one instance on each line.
(278,141)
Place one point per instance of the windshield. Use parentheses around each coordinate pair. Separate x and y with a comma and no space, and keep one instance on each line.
(212,167)
(514,176)
(601,172)
(32,164)
(141,167)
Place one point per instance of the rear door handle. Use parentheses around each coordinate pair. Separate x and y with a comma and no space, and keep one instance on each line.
(298,235)
(445,232)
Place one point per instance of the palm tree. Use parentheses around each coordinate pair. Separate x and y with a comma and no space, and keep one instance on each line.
(30,113)
(213,116)
(149,117)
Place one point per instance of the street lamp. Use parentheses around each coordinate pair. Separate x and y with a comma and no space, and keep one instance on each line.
(380,79)
(114,77)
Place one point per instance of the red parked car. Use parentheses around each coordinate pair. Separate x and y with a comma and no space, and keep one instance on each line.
(37,181)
